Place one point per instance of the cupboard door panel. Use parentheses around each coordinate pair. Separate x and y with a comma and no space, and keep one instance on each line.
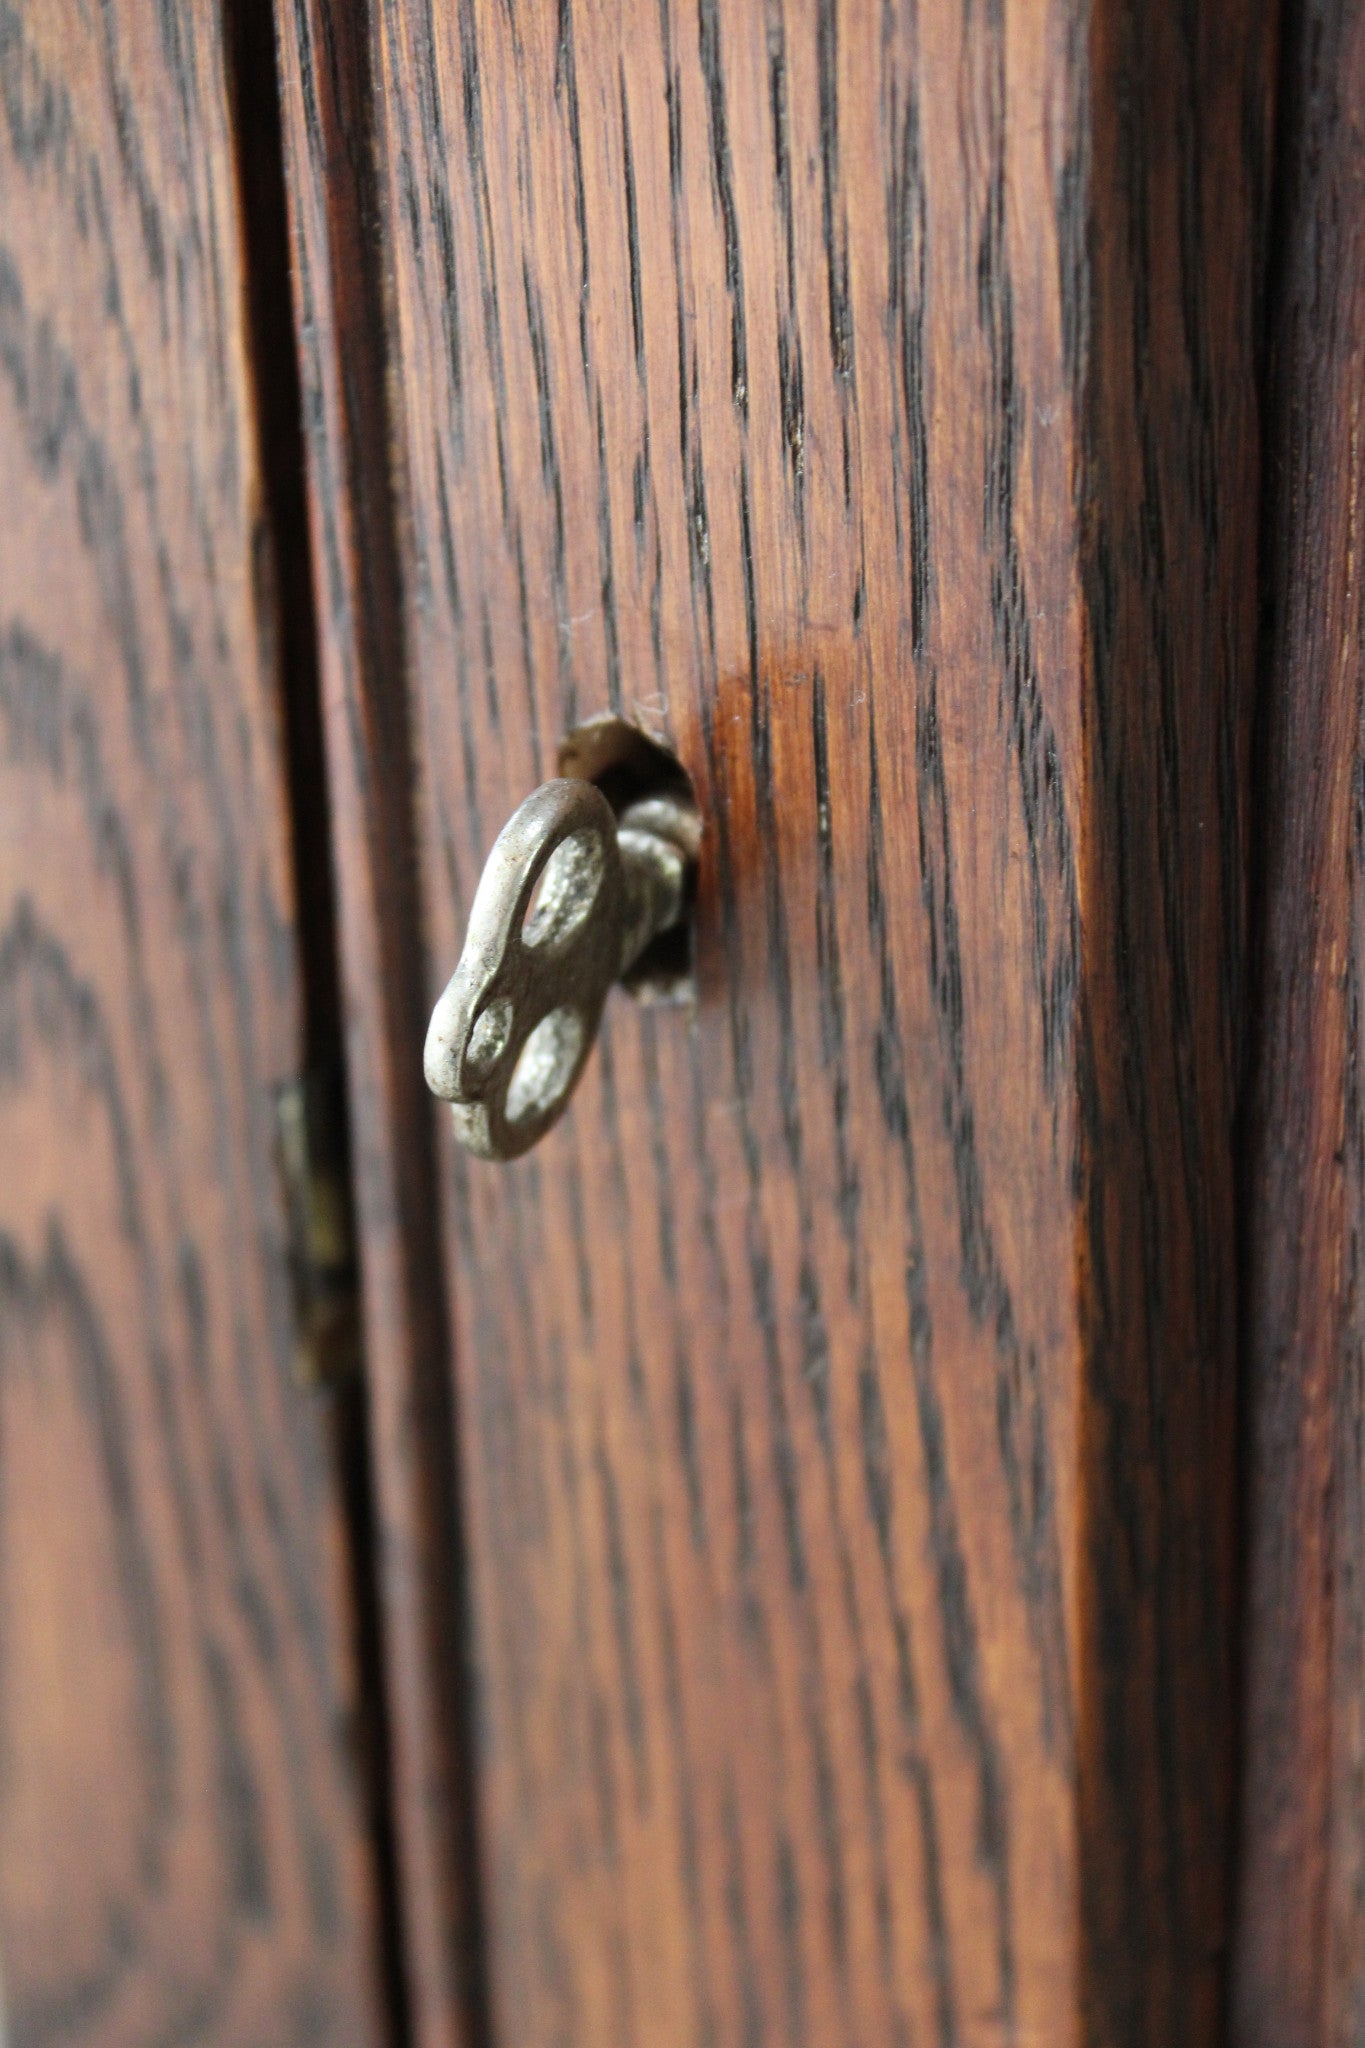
(862,400)
(185,1852)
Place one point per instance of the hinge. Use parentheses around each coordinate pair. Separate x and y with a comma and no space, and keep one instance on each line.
(314,1161)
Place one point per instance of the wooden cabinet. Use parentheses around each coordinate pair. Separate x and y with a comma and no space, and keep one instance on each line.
(854,1538)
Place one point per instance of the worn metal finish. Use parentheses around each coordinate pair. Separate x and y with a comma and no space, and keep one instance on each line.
(568,902)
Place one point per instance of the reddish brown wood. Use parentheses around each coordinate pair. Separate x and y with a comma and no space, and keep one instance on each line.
(862,399)
(1300,1959)
(185,1848)
(328,115)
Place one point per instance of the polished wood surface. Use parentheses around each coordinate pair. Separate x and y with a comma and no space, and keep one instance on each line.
(185,1852)
(1300,1957)
(339,256)
(862,399)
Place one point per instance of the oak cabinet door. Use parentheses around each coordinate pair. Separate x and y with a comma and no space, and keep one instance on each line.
(184,1850)
(806,1481)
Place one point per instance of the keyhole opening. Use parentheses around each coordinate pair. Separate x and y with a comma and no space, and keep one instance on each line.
(630,766)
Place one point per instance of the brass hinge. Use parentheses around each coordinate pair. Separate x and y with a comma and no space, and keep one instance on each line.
(314,1162)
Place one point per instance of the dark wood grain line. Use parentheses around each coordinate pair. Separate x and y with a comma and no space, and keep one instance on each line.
(722,173)
(833,1013)
(879,1488)
(906,261)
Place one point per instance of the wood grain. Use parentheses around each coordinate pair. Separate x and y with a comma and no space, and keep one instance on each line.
(863,399)
(1300,1957)
(339,258)
(186,1855)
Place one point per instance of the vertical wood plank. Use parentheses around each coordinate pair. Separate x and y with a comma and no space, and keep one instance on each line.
(1300,1956)
(185,1846)
(1180,170)
(328,109)
(863,399)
